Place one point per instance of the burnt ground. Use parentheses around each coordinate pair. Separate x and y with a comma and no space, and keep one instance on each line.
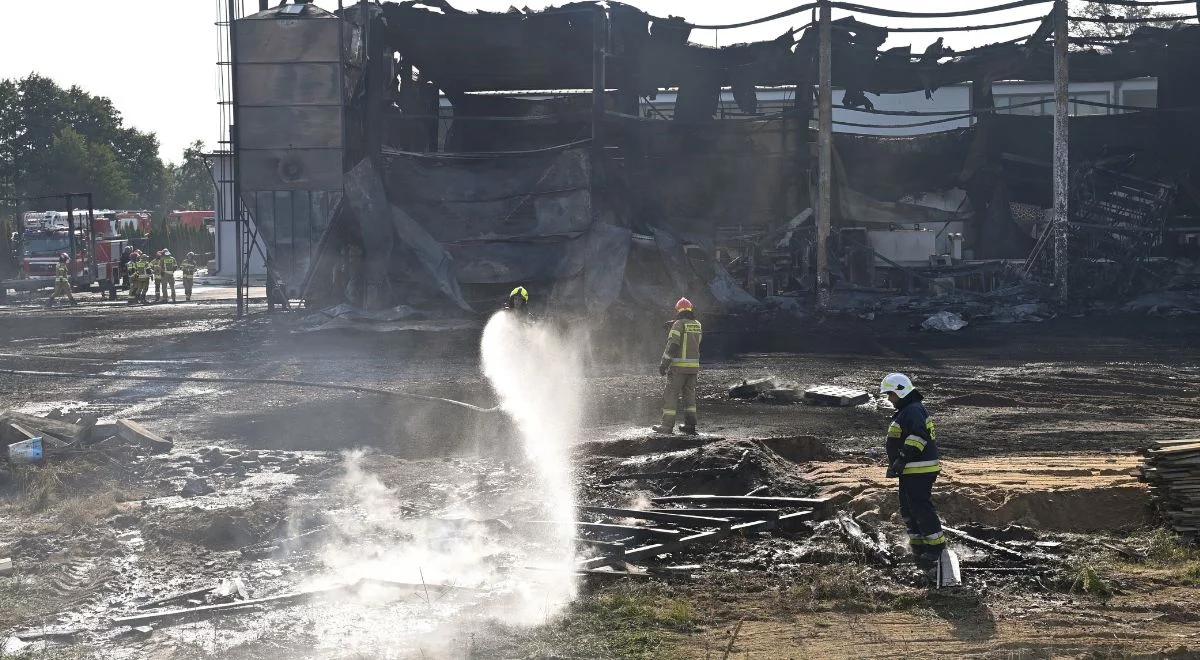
(92,537)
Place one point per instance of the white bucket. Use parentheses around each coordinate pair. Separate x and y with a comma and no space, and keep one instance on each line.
(25,451)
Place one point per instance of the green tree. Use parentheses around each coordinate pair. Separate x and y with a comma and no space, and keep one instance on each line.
(1116,30)
(74,164)
(123,168)
(193,185)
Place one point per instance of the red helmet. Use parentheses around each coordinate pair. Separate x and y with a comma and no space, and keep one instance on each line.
(684,305)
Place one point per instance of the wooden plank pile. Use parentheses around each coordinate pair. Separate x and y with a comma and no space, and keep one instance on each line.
(66,433)
(671,530)
(1172,468)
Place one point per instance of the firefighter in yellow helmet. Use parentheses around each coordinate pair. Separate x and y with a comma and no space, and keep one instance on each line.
(62,281)
(518,302)
(681,365)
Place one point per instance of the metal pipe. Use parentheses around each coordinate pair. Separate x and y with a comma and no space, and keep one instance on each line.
(70,198)
(824,153)
(1061,157)
(233,149)
(91,228)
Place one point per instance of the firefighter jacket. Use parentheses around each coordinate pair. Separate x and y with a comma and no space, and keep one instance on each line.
(169,266)
(144,268)
(188,267)
(682,353)
(911,436)
(62,274)
(157,265)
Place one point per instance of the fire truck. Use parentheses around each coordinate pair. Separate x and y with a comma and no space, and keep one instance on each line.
(94,251)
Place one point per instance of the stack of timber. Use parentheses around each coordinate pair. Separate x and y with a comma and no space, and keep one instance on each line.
(1172,468)
(699,520)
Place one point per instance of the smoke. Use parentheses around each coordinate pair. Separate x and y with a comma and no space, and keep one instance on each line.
(536,373)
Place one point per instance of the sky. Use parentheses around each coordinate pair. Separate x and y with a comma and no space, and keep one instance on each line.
(156,59)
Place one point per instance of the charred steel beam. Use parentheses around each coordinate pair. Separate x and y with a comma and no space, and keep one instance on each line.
(599,52)
(1061,161)
(824,154)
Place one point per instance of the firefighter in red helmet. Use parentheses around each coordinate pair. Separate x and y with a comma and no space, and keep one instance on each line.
(681,365)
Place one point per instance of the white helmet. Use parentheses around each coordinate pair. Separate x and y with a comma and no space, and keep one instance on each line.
(898,383)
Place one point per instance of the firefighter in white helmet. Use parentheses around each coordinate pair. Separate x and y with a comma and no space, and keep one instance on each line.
(913,459)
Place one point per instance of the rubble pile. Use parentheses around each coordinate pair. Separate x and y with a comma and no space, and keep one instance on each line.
(1172,468)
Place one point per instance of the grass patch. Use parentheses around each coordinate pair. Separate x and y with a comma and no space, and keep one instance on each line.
(1091,579)
(619,621)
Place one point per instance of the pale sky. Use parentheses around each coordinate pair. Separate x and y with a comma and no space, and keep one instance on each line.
(156,59)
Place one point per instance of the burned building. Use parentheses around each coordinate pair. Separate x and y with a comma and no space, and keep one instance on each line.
(412,155)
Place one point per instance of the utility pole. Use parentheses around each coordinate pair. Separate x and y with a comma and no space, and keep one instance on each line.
(824,153)
(1061,159)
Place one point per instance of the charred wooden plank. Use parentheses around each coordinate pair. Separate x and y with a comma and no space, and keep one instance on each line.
(658,516)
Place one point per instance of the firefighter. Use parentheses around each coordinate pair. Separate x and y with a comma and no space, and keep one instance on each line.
(62,281)
(188,265)
(681,365)
(168,273)
(518,302)
(134,273)
(913,459)
(159,280)
(126,255)
(145,270)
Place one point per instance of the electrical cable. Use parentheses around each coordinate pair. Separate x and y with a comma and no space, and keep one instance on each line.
(1163,18)
(871,11)
(466,155)
(892,13)
(1148,3)
(967,28)
(248,381)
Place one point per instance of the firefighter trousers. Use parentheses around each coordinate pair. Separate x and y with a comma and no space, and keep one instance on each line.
(680,391)
(61,288)
(920,517)
(168,282)
(187,288)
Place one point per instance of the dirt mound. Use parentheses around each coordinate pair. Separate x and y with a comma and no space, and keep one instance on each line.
(723,467)
(641,445)
(981,400)
(225,529)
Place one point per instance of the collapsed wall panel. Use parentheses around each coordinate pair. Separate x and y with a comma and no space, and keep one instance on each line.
(689,178)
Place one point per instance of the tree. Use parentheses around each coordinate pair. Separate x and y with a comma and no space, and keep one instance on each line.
(193,185)
(1116,30)
(38,154)
(74,164)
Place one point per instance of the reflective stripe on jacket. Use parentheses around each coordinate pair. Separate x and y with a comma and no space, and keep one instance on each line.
(61,273)
(189,268)
(913,435)
(683,345)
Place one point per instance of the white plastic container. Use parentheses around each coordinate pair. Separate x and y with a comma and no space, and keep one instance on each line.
(25,451)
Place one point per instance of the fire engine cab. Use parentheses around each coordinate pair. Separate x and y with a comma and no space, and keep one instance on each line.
(94,252)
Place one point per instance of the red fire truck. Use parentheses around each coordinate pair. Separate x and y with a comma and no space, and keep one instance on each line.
(95,253)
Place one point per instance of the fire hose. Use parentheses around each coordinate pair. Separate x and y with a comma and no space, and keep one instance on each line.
(250,381)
